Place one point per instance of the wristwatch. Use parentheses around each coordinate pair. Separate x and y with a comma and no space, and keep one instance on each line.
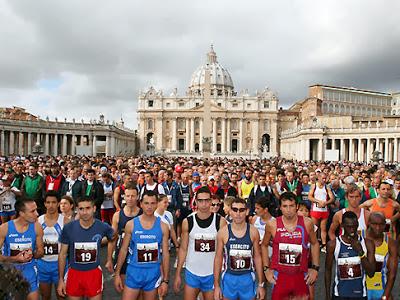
(315,267)
(165,281)
(265,268)
(361,253)
(262,284)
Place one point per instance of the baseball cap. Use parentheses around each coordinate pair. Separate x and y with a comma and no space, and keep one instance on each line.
(195,174)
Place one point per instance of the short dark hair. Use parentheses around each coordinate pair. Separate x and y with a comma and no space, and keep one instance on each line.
(150,173)
(131,186)
(203,189)
(287,196)
(21,202)
(239,201)
(85,198)
(151,194)
(90,171)
(264,202)
(52,194)
(349,215)
(69,199)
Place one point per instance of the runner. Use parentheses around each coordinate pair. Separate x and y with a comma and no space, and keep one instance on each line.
(321,196)
(353,196)
(166,217)
(52,223)
(288,268)
(263,206)
(384,204)
(120,218)
(238,246)
(147,239)
(380,286)
(354,257)
(22,239)
(80,241)
(197,249)
(8,196)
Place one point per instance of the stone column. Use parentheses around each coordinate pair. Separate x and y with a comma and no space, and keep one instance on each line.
(307,150)
(223,136)
(255,136)
(214,136)
(351,150)
(12,143)
(94,146)
(320,149)
(2,143)
(386,158)
(359,150)
(228,135)
(64,144)
(21,143)
(159,135)
(187,139)
(192,135)
(241,136)
(29,146)
(201,135)
(174,148)
(73,144)
(46,144)
(368,153)
(55,149)
(108,145)
(342,153)
(395,150)
(113,152)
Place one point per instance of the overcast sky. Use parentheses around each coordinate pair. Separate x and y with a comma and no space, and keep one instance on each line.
(81,58)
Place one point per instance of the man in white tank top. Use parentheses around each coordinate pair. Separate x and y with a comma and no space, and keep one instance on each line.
(320,196)
(52,223)
(353,196)
(197,249)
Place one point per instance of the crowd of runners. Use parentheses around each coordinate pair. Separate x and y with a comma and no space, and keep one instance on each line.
(236,226)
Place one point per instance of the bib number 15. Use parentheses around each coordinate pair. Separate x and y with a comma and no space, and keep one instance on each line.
(290,258)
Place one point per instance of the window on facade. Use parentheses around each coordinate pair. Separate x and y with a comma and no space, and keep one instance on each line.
(219,104)
(219,92)
(167,125)
(151,103)
(234,104)
(168,104)
(197,104)
(266,125)
(181,104)
(219,126)
(181,124)
(196,124)
(212,92)
(150,124)
(234,124)
(248,105)
(266,104)
(218,147)
(248,129)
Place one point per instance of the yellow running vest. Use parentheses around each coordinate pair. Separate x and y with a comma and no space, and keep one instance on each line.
(246,189)
(381,255)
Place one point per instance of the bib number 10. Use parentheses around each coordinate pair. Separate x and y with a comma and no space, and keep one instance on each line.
(240,264)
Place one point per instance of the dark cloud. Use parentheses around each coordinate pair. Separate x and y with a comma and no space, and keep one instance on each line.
(104,53)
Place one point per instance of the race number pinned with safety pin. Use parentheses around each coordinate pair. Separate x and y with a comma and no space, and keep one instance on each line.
(349,268)
(147,253)
(86,252)
(290,254)
(240,259)
(204,242)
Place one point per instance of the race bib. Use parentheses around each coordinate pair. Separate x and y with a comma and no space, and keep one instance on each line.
(50,248)
(290,254)
(349,268)
(51,186)
(16,248)
(147,253)
(379,260)
(204,242)
(240,259)
(85,253)
(185,200)
(6,206)
(169,198)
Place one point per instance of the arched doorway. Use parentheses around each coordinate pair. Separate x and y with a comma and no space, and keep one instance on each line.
(265,143)
(149,140)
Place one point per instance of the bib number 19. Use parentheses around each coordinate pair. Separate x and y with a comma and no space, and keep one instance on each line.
(86,256)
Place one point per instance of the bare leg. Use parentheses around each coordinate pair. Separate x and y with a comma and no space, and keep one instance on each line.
(130,294)
(190,293)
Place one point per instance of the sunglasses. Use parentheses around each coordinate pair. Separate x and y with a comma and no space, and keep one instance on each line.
(237,209)
(215,204)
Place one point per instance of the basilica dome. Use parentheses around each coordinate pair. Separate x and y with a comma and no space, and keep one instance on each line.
(219,77)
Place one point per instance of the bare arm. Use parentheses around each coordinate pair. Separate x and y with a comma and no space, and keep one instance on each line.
(392,267)
(313,241)
(111,246)
(116,197)
(269,228)
(335,224)
(368,262)
(311,193)
(330,196)
(183,248)
(165,250)
(330,248)
(367,204)
(218,256)
(255,237)
(62,260)
(39,251)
